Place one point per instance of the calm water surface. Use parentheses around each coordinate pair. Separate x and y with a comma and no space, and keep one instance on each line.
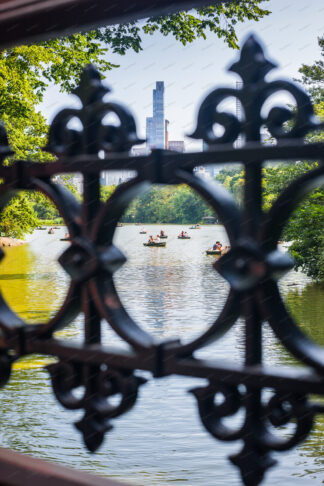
(170,291)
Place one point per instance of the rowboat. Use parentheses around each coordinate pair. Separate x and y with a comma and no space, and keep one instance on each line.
(163,236)
(161,243)
(65,239)
(41,228)
(194,227)
(51,232)
(142,232)
(184,237)
(213,252)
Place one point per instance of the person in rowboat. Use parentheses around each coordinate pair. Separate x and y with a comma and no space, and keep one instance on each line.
(217,246)
(151,239)
(157,239)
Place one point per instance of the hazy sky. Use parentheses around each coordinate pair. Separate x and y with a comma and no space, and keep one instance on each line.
(190,72)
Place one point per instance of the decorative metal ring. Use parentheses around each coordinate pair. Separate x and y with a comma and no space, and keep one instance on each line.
(273,308)
(70,210)
(103,288)
(285,205)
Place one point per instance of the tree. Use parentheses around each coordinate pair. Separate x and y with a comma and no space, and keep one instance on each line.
(313,75)
(166,204)
(26,71)
(233,180)
(305,228)
(18,217)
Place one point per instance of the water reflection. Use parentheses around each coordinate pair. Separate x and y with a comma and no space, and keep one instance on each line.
(173,289)
(170,291)
(31,280)
(309,316)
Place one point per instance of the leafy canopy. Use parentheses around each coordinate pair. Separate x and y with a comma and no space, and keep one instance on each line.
(313,75)
(26,72)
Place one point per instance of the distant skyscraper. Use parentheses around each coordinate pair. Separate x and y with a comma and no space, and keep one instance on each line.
(116,177)
(150,135)
(167,134)
(155,126)
(138,151)
(176,145)
(213,170)
(238,112)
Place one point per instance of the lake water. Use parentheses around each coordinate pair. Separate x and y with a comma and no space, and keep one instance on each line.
(172,291)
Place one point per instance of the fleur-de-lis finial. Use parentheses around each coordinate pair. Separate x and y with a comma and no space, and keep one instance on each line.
(96,135)
(252,65)
(91,87)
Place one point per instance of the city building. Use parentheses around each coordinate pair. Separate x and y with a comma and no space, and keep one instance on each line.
(150,134)
(167,123)
(116,177)
(238,112)
(155,125)
(176,145)
(201,171)
(212,170)
(75,179)
(138,151)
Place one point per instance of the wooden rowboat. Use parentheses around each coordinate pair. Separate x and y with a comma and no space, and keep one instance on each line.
(161,243)
(65,239)
(142,232)
(213,252)
(184,237)
(163,236)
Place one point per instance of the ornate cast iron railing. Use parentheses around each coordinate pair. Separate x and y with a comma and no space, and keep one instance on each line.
(252,267)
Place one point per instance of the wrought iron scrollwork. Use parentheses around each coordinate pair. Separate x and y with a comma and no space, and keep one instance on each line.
(252,68)
(97,385)
(87,375)
(64,140)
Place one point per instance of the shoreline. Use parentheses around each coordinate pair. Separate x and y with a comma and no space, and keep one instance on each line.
(6,241)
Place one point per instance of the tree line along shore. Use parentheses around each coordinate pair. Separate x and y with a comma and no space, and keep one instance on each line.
(181,205)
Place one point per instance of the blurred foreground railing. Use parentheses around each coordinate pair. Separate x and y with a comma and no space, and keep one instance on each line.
(19,470)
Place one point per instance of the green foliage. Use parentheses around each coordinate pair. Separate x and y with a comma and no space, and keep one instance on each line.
(52,222)
(106,192)
(233,180)
(306,225)
(306,230)
(313,75)
(168,204)
(26,72)
(219,19)
(19,217)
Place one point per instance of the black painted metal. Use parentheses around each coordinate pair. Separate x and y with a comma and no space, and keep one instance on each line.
(252,267)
